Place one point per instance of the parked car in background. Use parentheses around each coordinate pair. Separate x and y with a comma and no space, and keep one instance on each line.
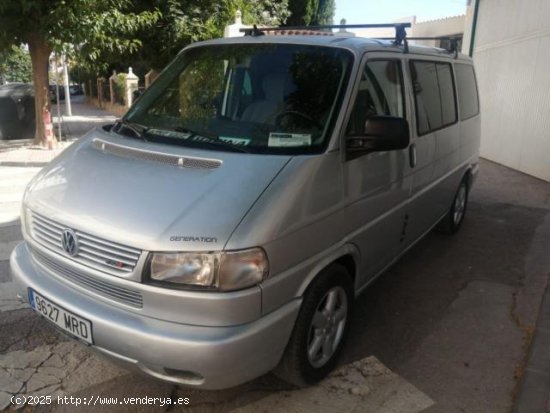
(76,90)
(17,112)
(53,93)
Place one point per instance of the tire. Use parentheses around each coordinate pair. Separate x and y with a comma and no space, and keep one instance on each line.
(320,330)
(452,221)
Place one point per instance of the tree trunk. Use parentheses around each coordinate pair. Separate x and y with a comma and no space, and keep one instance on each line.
(40,54)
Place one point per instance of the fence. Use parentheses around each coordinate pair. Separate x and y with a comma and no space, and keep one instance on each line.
(106,91)
(117,93)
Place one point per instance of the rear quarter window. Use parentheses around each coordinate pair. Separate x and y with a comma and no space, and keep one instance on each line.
(467,91)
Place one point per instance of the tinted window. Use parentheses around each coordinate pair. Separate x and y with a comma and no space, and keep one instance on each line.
(447,93)
(426,96)
(467,91)
(434,95)
(380,93)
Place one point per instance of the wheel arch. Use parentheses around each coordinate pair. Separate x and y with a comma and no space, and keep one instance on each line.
(470,174)
(468,177)
(347,256)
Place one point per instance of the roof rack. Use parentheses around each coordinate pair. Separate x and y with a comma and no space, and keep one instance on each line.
(453,42)
(400,38)
(400,33)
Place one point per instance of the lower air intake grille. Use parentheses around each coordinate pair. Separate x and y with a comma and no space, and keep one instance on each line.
(114,292)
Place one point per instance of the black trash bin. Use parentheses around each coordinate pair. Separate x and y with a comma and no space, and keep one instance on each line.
(17,111)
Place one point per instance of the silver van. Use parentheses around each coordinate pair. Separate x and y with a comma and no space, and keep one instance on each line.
(224,226)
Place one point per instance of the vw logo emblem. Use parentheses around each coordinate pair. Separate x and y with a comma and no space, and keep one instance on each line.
(69,242)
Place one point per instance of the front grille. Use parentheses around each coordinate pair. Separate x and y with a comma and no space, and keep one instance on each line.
(114,292)
(94,252)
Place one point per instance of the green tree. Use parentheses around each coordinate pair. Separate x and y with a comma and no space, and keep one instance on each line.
(302,12)
(188,21)
(261,12)
(45,25)
(325,12)
(15,65)
(311,12)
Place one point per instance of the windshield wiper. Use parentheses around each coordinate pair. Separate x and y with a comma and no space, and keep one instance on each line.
(137,130)
(141,132)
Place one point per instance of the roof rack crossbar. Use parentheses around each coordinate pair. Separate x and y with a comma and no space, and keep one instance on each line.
(423,38)
(452,39)
(400,32)
(326,27)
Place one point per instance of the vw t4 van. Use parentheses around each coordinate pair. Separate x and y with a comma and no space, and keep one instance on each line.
(224,226)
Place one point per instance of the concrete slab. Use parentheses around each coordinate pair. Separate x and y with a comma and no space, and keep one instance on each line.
(28,373)
(477,340)
(539,358)
(10,214)
(11,232)
(534,391)
(6,248)
(363,386)
(32,156)
(8,300)
(534,396)
(13,182)
(24,330)
(127,386)
(5,272)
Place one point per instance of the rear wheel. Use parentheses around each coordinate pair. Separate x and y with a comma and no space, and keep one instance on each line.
(452,222)
(320,330)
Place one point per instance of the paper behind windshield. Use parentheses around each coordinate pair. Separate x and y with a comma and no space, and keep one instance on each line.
(235,141)
(277,139)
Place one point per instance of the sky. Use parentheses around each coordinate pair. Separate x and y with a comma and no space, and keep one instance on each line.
(386,11)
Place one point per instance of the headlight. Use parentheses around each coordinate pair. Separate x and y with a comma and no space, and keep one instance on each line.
(224,271)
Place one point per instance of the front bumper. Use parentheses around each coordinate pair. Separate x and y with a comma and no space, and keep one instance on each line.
(206,357)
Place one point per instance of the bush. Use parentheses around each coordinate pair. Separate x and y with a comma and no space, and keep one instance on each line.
(119,88)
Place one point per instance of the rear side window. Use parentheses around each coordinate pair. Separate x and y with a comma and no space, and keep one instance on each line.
(434,95)
(467,91)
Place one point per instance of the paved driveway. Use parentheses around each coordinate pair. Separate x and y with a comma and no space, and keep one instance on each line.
(444,330)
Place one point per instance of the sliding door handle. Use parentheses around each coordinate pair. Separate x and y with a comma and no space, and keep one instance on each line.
(412,155)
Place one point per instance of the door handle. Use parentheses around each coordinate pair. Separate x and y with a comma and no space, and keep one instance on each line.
(412,155)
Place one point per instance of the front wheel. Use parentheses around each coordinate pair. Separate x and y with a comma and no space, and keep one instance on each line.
(320,330)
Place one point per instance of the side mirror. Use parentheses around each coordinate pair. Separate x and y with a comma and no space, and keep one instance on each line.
(382,133)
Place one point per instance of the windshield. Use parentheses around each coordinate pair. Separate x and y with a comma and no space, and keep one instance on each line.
(269,98)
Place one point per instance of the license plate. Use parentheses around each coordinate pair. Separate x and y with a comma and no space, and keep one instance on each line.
(69,322)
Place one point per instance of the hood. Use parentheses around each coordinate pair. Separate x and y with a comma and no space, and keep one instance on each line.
(135,196)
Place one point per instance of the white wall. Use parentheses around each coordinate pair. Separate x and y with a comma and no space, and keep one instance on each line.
(448,26)
(512,58)
(385,32)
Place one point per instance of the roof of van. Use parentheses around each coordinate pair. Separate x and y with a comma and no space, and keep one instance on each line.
(358,45)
